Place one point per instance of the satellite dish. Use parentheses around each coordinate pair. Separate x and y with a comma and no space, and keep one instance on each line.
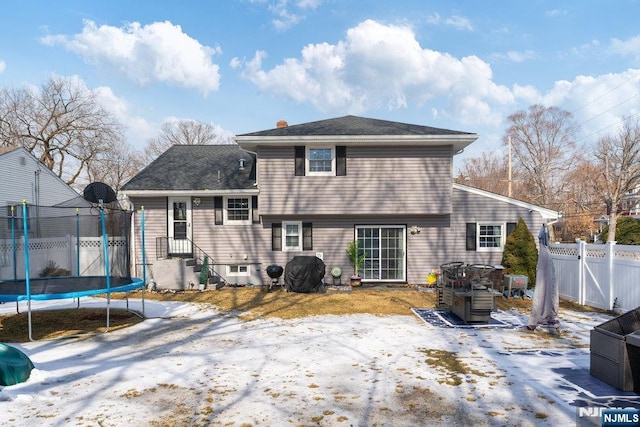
(97,191)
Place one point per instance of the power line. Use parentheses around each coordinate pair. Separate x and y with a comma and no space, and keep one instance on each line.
(608,110)
(607,127)
(606,93)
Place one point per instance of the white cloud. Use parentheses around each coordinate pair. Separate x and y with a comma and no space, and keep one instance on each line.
(289,13)
(630,47)
(137,129)
(308,4)
(159,52)
(455,21)
(459,22)
(598,103)
(514,56)
(382,66)
(3,66)
(556,12)
(285,19)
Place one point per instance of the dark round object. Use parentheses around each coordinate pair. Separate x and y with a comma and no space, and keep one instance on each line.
(97,191)
(274,271)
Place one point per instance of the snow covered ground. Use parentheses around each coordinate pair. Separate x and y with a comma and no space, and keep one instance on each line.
(189,364)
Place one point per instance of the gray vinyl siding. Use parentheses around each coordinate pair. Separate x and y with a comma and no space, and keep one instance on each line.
(441,238)
(155,225)
(19,181)
(228,243)
(473,208)
(379,180)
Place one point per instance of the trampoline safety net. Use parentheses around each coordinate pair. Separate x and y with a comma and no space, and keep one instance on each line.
(63,241)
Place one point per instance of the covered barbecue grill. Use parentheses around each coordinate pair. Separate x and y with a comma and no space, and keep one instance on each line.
(304,274)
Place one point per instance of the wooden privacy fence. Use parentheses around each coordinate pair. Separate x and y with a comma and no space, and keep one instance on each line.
(605,276)
(88,260)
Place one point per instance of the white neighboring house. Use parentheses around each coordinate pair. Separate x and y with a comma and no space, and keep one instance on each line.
(630,203)
(24,177)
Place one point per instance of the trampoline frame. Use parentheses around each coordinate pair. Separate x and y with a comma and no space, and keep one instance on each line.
(122,284)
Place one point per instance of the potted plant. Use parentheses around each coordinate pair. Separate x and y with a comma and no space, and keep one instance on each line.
(356,258)
(204,274)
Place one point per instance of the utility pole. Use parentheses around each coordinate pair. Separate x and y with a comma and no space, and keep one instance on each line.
(509,167)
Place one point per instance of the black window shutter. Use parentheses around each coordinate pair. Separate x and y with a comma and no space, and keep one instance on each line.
(276,236)
(307,236)
(510,227)
(299,154)
(341,160)
(217,206)
(471,236)
(255,215)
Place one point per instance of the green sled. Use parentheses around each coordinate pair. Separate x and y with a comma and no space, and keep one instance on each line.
(15,366)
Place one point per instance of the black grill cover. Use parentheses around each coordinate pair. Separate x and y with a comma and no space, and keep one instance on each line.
(304,274)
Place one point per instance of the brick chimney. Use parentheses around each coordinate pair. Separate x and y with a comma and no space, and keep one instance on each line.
(281,124)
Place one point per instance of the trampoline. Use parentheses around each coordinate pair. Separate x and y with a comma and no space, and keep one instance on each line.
(50,288)
(76,252)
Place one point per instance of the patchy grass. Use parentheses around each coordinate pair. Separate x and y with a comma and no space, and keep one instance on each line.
(247,303)
(50,324)
(450,364)
(255,303)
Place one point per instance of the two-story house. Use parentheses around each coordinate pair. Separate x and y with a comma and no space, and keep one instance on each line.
(310,189)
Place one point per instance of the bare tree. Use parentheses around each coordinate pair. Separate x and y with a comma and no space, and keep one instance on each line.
(618,158)
(488,172)
(62,124)
(543,150)
(116,167)
(581,203)
(180,132)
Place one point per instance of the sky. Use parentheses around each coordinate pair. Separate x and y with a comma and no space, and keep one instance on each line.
(190,364)
(243,65)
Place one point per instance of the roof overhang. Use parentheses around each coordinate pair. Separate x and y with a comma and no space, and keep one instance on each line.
(187,193)
(547,214)
(459,142)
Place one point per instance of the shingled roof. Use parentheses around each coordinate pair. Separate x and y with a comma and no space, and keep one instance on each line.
(353,125)
(197,167)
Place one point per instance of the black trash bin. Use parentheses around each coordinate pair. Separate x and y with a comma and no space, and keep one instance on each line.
(615,351)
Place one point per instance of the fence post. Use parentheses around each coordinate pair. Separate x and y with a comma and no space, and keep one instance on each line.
(610,255)
(582,253)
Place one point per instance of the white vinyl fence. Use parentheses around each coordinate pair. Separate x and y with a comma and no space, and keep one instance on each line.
(64,254)
(605,276)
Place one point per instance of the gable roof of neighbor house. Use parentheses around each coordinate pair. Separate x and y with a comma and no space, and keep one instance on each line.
(18,181)
(350,130)
(196,168)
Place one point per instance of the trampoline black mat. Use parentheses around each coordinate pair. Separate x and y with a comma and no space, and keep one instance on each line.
(65,287)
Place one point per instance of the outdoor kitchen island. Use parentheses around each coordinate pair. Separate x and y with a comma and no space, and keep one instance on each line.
(467,291)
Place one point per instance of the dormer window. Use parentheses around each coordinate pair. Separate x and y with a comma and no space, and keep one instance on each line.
(320,161)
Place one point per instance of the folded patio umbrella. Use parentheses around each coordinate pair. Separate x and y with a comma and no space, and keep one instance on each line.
(546,298)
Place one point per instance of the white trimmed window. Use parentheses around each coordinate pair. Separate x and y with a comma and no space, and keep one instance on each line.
(237,270)
(321,161)
(237,210)
(490,237)
(292,236)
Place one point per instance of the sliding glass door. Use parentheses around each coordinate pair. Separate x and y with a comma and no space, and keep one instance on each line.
(385,254)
